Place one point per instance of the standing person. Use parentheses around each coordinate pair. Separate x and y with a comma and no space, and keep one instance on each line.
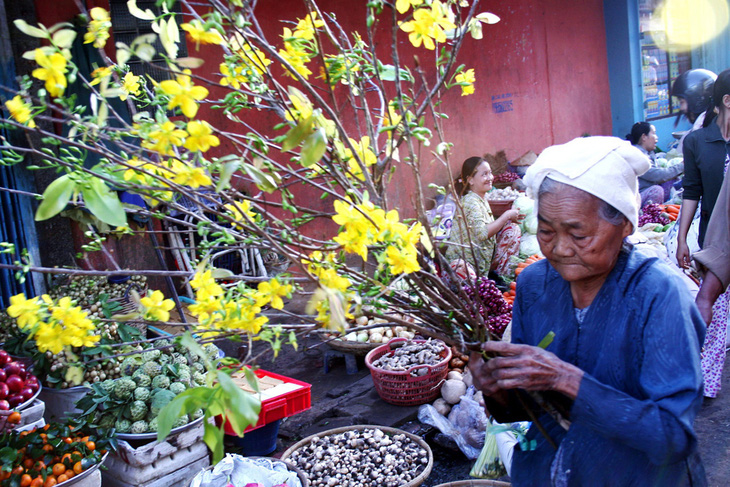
(643,136)
(693,88)
(476,237)
(706,156)
(625,361)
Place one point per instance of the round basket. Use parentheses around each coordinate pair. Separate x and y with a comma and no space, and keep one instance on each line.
(400,387)
(385,429)
(475,483)
(500,206)
(348,346)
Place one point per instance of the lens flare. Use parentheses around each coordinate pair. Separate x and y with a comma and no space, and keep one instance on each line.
(690,23)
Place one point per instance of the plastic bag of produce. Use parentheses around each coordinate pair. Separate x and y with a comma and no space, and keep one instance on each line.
(466,423)
(489,465)
(670,237)
(238,470)
(526,206)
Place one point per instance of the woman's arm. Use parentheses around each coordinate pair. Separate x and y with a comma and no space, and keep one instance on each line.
(504,218)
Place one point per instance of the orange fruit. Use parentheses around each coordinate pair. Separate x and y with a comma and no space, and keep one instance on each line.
(28,463)
(58,469)
(50,481)
(47,448)
(62,478)
(13,418)
(66,459)
(25,480)
(17,470)
(67,440)
(37,482)
(91,445)
(78,468)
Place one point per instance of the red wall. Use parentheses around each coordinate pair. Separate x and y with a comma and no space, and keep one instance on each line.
(542,77)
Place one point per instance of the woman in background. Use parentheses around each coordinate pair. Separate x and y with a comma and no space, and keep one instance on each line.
(477,238)
(643,136)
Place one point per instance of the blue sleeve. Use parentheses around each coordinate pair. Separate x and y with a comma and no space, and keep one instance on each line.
(669,377)
(692,182)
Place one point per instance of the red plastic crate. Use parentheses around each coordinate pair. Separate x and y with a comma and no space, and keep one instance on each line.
(280,406)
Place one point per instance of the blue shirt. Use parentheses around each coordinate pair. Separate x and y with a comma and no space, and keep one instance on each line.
(639,346)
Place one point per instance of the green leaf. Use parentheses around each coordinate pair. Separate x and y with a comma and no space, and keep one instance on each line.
(213,437)
(217,273)
(103,203)
(29,30)
(242,408)
(314,148)
(137,12)
(64,38)
(387,73)
(265,182)
(187,341)
(251,378)
(227,171)
(297,134)
(55,198)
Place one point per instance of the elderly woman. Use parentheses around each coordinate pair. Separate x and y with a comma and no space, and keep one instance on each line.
(624,365)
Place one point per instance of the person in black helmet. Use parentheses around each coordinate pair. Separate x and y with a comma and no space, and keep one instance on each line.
(693,88)
(706,157)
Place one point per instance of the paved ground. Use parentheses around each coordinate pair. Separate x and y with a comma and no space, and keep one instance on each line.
(340,399)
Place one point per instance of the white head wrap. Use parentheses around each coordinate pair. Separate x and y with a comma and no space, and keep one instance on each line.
(606,167)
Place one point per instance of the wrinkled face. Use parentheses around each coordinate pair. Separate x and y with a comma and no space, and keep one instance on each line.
(481,181)
(575,239)
(649,141)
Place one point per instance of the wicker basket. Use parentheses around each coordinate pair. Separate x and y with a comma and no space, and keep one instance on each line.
(385,429)
(401,388)
(348,346)
(476,483)
(500,206)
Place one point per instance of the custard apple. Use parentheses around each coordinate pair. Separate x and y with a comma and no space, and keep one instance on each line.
(142,394)
(177,388)
(139,427)
(123,426)
(161,382)
(137,410)
(124,387)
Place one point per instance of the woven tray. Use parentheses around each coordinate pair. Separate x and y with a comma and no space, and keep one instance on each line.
(385,429)
(348,346)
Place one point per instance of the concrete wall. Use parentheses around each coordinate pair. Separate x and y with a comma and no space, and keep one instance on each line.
(542,77)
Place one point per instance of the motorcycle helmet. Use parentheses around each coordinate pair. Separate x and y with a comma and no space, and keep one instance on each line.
(695,86)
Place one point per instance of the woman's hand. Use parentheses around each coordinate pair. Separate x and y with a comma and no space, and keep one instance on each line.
(523,367)
(513,215)
(683,258)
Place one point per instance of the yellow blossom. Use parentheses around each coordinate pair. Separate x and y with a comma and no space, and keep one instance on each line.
(204,308)
(205,286)
(428,24)
(52,70)
(98,30)
(200,136)
(183,93)
(353,242)
(402,6)
(295,54)
(187,175)
(156,307)
(402,261)
(466,77)
(99,74)
(27,311)
(238,210)
(130,85)
(199,35)
(20,111)
(366,156)
(306,26)
(164,138)
(273,290)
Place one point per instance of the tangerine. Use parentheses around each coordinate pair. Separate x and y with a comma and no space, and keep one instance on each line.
(78,468)
(37,482)
(13,418)
(91,445)
(62,478)
(58,469)
(17,470)
(50,481)
(25,480)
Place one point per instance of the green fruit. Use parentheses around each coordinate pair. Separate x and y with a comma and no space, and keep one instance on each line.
(181,421)
(139,427)
(123,426)
(152,425)
(177,388)
(142,379)
(152,369)
(142,394)
(151,355)
(161,382)
(124,387)
(137,410)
